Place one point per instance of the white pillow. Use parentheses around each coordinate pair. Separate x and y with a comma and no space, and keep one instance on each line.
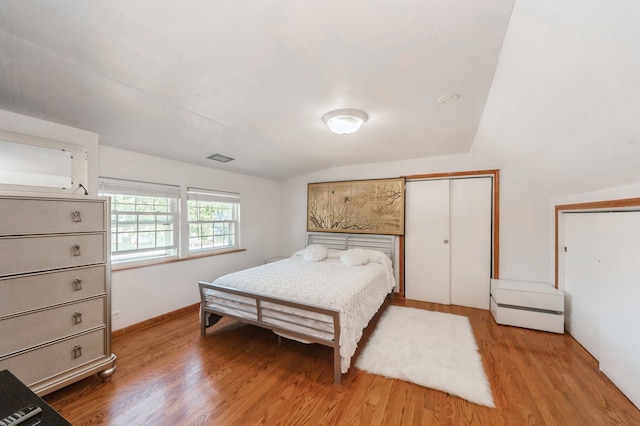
(376,256)
(315,253)
(355,257)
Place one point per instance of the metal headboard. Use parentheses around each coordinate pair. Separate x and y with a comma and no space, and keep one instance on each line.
(383,243)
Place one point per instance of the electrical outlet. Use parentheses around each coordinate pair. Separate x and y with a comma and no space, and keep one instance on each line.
(116,315)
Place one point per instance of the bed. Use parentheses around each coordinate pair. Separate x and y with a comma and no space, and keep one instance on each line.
(325,293)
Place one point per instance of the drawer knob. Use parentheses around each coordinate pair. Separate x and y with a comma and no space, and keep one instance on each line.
(75,250)
(77,318)
(77,351)
(76,216)
(77,284)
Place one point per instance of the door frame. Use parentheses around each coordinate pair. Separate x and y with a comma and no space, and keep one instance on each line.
(495,217)
(594,206)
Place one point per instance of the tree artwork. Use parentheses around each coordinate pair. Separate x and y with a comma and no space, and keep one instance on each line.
(368,206)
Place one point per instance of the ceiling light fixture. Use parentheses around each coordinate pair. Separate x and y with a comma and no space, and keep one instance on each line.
(345,121)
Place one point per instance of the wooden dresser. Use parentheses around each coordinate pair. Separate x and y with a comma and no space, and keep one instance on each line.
(55,321)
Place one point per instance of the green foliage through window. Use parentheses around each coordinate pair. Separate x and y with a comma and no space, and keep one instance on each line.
(212,224)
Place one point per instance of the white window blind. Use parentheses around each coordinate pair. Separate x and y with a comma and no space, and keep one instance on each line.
(196,194)
(129,187)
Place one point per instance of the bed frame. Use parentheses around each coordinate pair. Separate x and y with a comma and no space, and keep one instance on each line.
(384,243)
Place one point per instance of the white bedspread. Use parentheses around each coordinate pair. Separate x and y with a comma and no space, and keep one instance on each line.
(357,291)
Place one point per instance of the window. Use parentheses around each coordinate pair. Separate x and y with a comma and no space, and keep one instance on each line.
(213,219)
(147,223)
(144,219)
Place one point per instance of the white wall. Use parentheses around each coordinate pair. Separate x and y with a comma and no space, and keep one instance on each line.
(274,216)
(563,104)
(526,230)
(274,223)
(615,193)
(25,125)
(147,292)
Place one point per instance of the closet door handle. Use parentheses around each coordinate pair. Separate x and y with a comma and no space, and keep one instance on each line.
(446,241)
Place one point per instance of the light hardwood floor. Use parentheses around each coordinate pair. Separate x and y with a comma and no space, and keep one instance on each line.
(239,375)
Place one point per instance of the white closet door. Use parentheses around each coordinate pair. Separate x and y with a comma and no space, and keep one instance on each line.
(470,216)
(619,301)
(582,280)
(427,241)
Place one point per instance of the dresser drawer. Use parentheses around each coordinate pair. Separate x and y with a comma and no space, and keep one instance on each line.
(27,292)
(40,327)
(42,363)
(22,216)
(33,254)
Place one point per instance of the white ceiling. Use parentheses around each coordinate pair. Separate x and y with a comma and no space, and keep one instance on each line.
(551,91)
(252,79)
(564,109)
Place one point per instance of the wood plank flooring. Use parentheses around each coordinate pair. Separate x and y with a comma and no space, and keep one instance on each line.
(240,375)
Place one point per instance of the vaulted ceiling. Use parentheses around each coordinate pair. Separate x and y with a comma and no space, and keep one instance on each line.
(564,108)
(547,89)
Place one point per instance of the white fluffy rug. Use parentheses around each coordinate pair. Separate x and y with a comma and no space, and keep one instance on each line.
(431,349)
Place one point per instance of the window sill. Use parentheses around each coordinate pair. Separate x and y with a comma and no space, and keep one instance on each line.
(152,262)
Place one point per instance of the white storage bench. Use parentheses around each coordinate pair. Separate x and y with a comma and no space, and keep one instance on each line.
(539,306)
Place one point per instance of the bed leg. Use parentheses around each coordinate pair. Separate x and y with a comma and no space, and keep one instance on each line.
(337,370)
(203,322)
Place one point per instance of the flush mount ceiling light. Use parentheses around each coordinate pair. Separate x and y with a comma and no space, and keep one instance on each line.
(344,121)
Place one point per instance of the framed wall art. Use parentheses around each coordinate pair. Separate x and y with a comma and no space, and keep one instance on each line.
(358,206)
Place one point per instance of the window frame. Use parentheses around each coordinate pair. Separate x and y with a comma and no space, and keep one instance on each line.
(206,196)
(115,188)
(179,202)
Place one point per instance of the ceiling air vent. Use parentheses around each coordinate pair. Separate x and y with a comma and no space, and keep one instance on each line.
(221,158)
